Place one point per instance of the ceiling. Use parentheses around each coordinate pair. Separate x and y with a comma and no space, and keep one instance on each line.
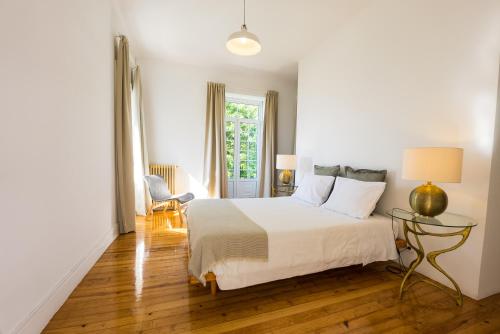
(195,31)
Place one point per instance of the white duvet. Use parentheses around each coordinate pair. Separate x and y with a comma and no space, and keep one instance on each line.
(304,239)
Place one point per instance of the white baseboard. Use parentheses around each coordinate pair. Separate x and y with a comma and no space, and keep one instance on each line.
(38,318)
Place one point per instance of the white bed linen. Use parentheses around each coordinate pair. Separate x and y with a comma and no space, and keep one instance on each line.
(304,239)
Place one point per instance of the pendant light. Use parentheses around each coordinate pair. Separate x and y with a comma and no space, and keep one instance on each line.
(243,42)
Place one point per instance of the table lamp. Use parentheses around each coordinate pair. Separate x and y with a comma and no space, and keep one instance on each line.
(287,163)
(431,164)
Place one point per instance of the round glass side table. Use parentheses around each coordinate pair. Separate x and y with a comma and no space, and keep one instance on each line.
(283,190)
(415,224)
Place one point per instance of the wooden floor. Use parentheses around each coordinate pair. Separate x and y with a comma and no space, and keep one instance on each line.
(140,285)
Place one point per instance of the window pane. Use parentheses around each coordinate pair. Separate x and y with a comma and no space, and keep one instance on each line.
(252,133)
(242,110)
(243,165)
(248,151)
(243,171)
(243,145)
(252,169)
(230,149)
(231,109)
(248,111)
(252,151)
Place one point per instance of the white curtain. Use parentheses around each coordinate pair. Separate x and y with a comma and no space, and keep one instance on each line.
(140,152)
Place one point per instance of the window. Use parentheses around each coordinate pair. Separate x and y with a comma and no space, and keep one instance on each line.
(243,115)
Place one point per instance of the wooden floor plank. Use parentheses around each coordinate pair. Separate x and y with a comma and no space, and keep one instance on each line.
(139,285)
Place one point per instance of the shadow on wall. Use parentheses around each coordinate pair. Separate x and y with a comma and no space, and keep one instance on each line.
(305,166)
(186,182)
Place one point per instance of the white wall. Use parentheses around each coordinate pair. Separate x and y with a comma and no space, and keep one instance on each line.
(403,74)
(56,147)
(175,106)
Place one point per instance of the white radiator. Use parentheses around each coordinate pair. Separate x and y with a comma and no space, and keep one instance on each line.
(165,171)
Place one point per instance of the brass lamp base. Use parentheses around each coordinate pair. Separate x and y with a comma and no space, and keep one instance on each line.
(428,200)
(285,176)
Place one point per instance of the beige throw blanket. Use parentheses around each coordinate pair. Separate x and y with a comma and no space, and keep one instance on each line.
(218,230)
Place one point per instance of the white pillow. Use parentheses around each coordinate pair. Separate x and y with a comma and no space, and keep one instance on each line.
(354,198)
(314,189)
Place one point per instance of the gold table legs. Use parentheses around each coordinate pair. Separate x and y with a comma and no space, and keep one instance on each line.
(417,231)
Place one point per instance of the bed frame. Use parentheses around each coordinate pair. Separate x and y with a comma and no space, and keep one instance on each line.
(212,279)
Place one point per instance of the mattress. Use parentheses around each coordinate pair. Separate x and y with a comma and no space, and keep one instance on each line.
(304,239)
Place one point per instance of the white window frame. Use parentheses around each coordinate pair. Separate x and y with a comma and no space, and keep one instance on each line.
(258,101)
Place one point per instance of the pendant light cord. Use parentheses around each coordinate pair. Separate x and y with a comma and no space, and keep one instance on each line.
(244,13)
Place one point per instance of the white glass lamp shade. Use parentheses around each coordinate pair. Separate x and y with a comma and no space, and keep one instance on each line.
(436,164)
(243,43)
(286,161)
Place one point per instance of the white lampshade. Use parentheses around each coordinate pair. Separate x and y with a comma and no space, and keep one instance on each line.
(286,161)
(243,43)
(436,164)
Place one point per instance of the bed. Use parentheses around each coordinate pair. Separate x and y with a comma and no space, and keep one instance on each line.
(301,239)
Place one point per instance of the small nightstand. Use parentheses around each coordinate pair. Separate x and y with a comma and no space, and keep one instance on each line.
(414,224)
(283,190)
